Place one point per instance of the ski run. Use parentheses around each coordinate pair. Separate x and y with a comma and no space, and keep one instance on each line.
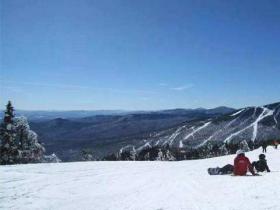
(183,185)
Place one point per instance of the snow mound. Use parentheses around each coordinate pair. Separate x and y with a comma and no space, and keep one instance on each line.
(139,186)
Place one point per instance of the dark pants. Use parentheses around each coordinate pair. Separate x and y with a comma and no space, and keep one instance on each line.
(227,169)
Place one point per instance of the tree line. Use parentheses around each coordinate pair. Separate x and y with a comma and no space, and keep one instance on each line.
(168,153)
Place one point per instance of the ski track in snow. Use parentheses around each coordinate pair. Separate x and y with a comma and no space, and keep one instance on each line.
(236,113)
(217,132)
(266,112)
(125,147)
(157,142)
(174,135)
(255,111)
(181,145)
(275,120)
(231,122)
(145,145)
(205,141)
(196,130)
(276,114)
(143,185)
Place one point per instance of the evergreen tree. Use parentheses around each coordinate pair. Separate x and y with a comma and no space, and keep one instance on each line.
(133,154)
(244,146)
(9,153)
(18,144)
(87,155)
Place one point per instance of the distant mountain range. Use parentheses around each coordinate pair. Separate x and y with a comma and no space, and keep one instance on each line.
(49,114)
(67,133)
(252,124)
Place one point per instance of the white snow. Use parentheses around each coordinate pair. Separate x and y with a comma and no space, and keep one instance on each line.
(196,130)
(183,185)
(181,145)
(146,145)
(205,141)
(174,135)
(236,113)
(193,132)
(265,113)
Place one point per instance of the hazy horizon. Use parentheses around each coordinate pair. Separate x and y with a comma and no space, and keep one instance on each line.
(131,110)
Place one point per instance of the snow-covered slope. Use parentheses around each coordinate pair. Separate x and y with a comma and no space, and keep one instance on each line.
(255,124)
(138,186)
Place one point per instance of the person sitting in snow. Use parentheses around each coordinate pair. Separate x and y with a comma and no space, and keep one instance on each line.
(240,167)
(227,169)
(261,164)
(242,164)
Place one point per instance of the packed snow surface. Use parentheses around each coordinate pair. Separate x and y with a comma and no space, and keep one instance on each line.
(139,186)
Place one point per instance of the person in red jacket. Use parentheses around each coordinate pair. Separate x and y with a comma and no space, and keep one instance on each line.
(242,164)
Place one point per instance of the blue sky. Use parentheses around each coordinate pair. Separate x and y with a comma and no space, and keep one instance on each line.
(139,55)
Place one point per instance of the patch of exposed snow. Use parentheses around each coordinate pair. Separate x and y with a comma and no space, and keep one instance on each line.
(181,145)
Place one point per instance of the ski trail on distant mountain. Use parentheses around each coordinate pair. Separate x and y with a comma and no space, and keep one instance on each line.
(277,110)
(127,147)
(265,113)
(246,123)
(145,145)
(219,131)
(231,122)
(158,141)
(222,129)
(255,111)
(205,141)
(197,130)
(194,132)
(174,135)
(236,113)
(275,120)
(181,145)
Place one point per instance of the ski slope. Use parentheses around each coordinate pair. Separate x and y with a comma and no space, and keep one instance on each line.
(139,186)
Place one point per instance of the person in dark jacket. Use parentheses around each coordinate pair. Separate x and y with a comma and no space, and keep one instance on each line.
(242,164)
(261,164)
(264,146)
(275,144)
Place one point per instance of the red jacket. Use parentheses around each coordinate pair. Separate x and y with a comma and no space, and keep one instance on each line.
(241,165)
